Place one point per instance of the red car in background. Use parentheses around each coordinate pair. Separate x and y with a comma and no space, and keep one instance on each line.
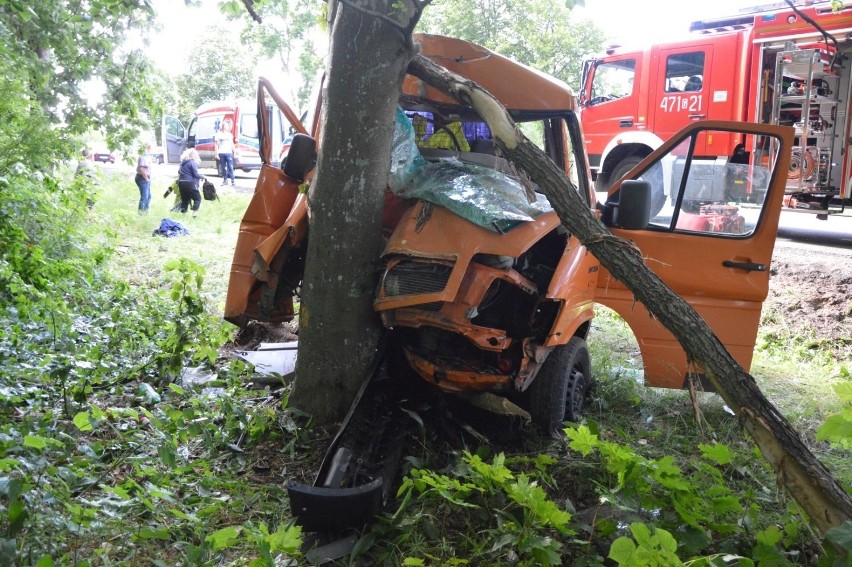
(104,156)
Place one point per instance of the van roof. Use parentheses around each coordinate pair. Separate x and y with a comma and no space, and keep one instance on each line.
(515,85)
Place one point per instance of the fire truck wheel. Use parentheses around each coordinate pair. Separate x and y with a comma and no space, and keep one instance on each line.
(559,391)
(654,175)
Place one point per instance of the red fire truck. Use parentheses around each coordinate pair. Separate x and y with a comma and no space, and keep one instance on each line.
(784,64)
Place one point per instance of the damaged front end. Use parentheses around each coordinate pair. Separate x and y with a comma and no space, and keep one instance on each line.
(480,281)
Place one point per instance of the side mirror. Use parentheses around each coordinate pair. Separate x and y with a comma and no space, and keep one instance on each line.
(632,210)
(301,158)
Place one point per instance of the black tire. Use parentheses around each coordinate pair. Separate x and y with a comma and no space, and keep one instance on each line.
(658,196)
(558,392)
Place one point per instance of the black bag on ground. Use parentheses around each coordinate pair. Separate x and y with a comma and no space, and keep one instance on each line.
(209,191)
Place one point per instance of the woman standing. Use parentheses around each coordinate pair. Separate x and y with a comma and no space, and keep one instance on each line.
(188,178)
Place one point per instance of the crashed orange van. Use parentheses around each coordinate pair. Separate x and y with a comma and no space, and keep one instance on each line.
(482,285)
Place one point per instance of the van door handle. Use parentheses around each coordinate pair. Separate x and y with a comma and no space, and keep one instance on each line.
(748,266)
(696,116)
(625,123)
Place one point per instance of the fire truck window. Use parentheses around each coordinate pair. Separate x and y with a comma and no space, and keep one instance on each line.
(684,72)
(612,81)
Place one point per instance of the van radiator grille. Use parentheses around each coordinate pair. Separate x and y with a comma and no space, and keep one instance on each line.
(416,278)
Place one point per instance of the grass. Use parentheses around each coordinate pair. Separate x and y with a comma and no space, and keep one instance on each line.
(140,257)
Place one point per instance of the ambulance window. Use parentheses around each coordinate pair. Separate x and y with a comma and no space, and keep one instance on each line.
(613,80)
(206,126)
(248,125)
(685,72)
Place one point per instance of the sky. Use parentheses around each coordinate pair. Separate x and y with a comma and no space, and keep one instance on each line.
(642,22)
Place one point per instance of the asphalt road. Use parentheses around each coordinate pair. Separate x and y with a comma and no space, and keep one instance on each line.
(835,231)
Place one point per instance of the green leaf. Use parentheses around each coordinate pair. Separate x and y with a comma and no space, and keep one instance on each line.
(45,561)
(286,539)
(35,441)
(582,440)
(726,504)
(224,538)
(719,453)
(148,532)
(837,429)
(770,536)
(16,514)
(844,392)
(83,421)
(642,533)
(841,536)
(413,562)
(621,551)
(12,488)
(167,454)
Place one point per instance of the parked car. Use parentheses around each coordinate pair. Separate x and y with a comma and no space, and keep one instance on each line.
(104,156)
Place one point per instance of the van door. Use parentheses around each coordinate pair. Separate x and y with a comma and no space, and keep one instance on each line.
(173,136)
(710,249)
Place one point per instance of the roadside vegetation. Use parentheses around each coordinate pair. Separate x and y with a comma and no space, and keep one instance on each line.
(130,436)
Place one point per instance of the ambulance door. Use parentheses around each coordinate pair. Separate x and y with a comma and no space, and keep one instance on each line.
(713,254)
(682,87)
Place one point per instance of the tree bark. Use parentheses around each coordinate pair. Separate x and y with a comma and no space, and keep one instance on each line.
(338,330)
(808,481)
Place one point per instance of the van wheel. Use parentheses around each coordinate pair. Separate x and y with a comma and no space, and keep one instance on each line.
(558,392)
(658,196)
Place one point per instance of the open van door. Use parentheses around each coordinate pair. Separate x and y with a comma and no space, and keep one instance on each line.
(173,135)
(706,245)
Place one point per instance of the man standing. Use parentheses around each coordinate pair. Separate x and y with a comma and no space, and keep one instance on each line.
(225,149)
(143,179)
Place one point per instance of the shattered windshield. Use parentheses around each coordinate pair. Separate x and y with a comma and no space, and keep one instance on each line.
(462,172)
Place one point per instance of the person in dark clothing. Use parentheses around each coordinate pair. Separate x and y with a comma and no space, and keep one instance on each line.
(188,178)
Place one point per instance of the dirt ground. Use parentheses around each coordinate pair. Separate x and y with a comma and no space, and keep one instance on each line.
(809,293)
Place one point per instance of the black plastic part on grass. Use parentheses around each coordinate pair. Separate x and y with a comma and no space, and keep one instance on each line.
(324,509)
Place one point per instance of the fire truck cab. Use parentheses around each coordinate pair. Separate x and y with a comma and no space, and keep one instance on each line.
(782,65)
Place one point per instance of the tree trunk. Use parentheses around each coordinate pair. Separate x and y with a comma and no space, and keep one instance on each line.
(338,330)
(807,479)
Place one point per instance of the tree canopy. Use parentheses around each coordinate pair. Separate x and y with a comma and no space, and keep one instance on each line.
(549,37)
(62,50)
(220,67)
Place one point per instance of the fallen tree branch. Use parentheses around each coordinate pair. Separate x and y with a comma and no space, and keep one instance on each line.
(796,468)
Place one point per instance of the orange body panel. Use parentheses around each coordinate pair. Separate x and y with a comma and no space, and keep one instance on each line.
(517,87)
(692,265)
(270,206)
